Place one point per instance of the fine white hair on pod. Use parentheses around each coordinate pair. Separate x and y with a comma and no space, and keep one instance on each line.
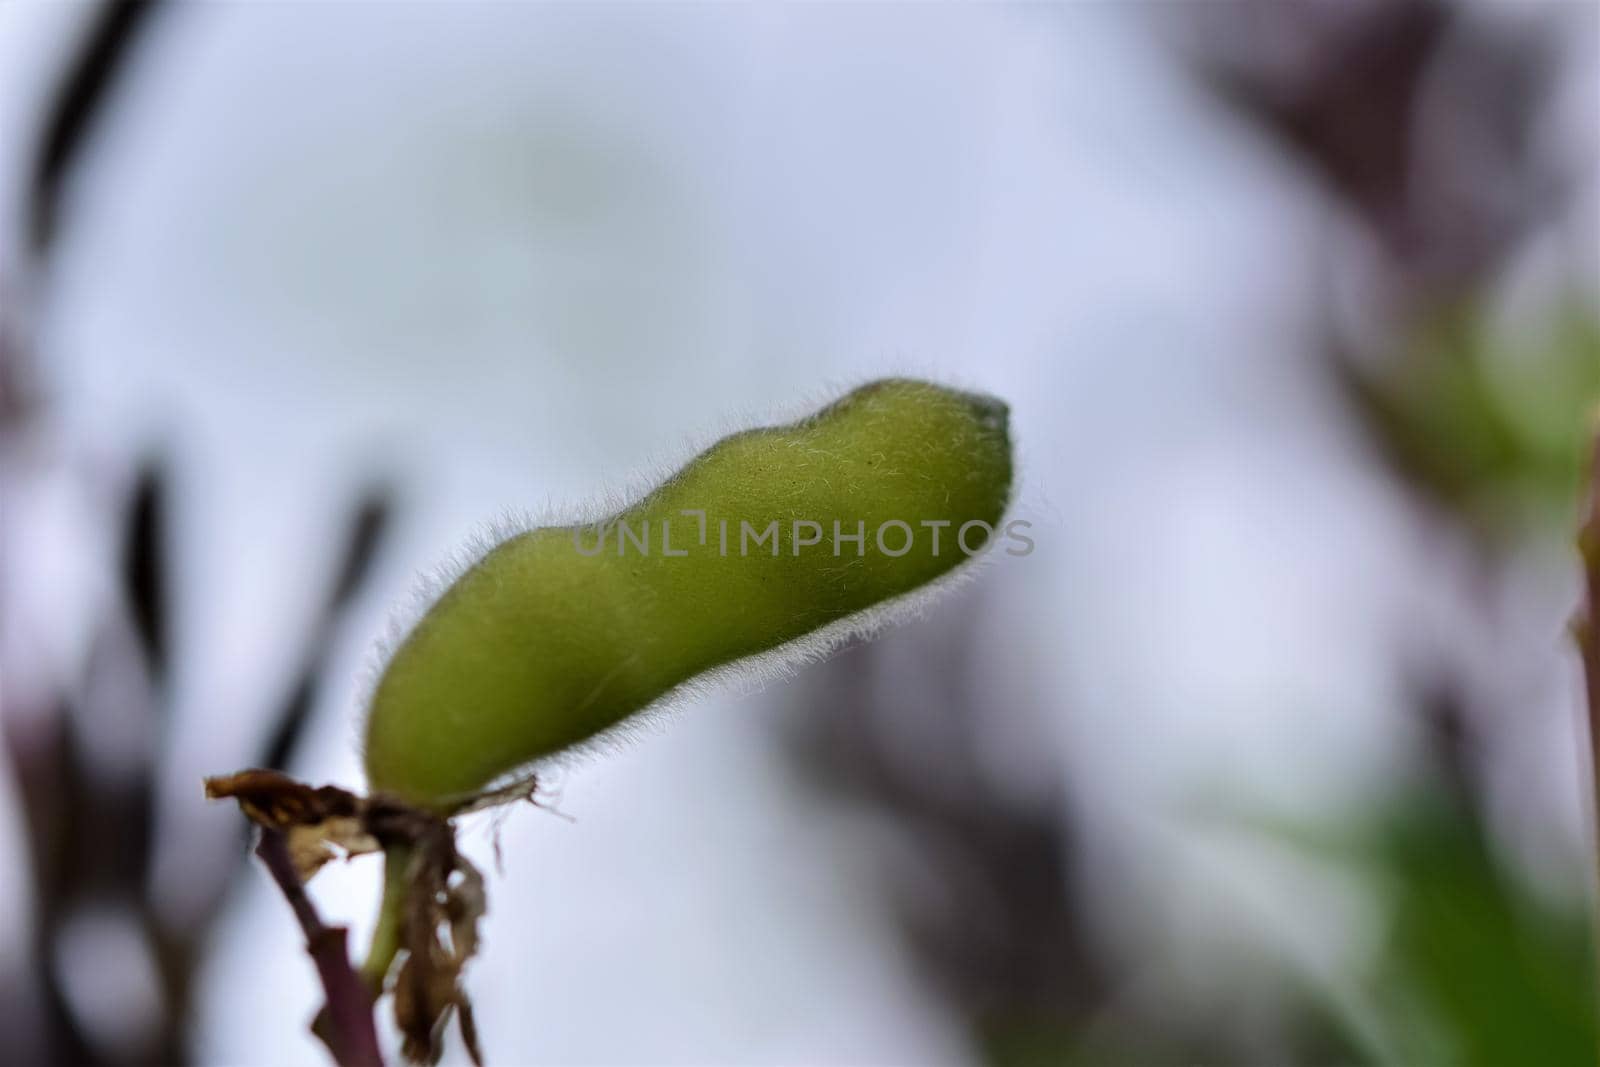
(753,674)
(611,497)
(744,675)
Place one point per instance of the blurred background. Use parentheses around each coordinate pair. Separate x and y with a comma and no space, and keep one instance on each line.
(1270,753)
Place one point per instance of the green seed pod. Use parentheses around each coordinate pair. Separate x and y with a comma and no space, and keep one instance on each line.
(784,539)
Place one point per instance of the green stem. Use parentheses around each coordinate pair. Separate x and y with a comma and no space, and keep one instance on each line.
(391,917)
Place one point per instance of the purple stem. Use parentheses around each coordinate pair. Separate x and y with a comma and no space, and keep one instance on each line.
(346,1023)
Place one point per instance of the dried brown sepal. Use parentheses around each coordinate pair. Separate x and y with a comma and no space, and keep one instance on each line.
(523,788)
(444,895)
(445,900)
(469,1032)
(312,846)
(318,824)
(271,798)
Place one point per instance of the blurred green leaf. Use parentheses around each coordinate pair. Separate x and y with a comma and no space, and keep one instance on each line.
(1474,968)
(1479,425)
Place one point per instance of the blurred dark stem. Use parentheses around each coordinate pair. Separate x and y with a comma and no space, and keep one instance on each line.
(1415,116)
(17,388)
(986,896)
(91,832)
(1337,112)
(142,565)
(1586,630)
(80,100)
(368,526)
(346,1025)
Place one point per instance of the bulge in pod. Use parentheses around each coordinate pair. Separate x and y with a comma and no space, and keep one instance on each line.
(560,633)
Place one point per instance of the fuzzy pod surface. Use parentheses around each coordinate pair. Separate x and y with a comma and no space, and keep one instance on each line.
(560,633)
